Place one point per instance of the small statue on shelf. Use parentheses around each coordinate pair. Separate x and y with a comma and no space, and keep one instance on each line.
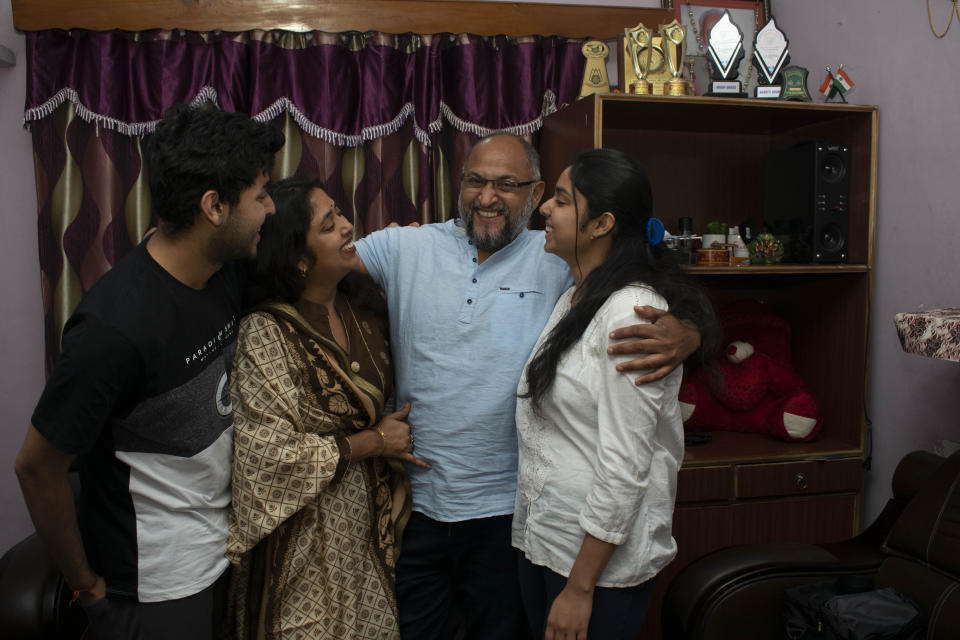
(765,249)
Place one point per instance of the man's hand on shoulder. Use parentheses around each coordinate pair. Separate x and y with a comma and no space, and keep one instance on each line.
(394,225)
(665,341)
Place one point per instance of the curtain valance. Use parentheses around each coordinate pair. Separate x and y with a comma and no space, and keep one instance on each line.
(345,89)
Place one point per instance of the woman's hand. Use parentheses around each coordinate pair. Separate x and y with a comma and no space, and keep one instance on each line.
(570,615)
(397,437)
(570,612)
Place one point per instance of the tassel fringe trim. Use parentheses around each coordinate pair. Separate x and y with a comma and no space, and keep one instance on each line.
(209,94)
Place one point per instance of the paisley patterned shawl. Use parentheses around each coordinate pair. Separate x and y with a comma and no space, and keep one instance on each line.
(315,537)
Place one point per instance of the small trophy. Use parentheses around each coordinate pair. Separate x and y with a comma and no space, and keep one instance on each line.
(640,44)
(595,73)
(675,34)
(795,84)
(725,52)
(770,53)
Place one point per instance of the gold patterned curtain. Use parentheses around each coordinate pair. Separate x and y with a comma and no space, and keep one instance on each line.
(94,201)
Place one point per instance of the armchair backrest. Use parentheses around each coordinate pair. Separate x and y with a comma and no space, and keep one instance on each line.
(928,530)
(923,551)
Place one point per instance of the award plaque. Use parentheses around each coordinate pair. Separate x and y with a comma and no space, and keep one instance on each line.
(795,84)
(770,53)
(725,52)
(675,34)
(595,73)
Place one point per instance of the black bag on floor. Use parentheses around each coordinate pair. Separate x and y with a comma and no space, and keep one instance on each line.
(803,611)
(842,609)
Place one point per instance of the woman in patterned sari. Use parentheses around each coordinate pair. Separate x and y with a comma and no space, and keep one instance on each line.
(319,495)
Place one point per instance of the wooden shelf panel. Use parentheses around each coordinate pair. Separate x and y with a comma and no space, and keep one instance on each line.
(391,16)
(727,447)
(780,269)
(705,156)
(742,116)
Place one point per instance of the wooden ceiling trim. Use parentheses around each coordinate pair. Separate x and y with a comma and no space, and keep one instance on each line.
(390,16)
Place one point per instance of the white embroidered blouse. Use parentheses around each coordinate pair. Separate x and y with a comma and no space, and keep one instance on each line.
(603,456)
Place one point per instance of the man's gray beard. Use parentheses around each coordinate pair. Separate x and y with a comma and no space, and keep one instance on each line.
(506,235)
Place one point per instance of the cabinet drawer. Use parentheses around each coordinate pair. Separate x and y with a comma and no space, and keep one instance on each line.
(705,484)
(799,478)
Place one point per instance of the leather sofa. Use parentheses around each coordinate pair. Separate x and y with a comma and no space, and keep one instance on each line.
(734,593)
(912,546)
(34,600)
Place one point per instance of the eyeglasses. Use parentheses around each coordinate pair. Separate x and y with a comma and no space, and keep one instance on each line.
(502,185)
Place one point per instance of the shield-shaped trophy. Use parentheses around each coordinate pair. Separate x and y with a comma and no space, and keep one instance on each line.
(725,52)
(770,53)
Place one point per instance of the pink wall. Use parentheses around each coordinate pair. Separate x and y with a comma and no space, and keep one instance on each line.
(895,62)
(21,323)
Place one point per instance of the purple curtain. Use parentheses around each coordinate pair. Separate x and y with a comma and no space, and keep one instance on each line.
(385,121)
(342,88)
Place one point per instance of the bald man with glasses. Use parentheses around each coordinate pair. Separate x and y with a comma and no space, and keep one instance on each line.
(467,300)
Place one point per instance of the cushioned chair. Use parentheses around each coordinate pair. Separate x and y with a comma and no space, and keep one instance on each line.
(34,601)
(913,546)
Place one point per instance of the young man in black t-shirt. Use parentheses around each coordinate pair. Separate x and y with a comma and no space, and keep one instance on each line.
(140,394)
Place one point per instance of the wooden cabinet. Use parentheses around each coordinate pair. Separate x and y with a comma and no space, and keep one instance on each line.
(705,158)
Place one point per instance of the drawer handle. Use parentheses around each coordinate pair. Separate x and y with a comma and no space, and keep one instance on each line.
(801,481)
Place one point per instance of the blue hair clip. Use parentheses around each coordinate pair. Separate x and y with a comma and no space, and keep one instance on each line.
(655,231)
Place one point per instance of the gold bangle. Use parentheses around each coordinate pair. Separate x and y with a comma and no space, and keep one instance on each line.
(383,438)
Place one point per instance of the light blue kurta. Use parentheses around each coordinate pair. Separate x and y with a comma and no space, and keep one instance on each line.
(461,332)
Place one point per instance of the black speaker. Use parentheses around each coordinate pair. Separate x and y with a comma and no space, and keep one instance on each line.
(806,202)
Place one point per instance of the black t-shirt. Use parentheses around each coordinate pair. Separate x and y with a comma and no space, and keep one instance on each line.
(141,394)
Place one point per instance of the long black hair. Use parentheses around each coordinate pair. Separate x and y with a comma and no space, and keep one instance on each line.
(275,273)
(611,181)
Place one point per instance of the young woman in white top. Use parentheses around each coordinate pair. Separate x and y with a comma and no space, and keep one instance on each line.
(598,455)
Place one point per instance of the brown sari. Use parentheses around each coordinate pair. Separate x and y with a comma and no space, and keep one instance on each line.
(313,536)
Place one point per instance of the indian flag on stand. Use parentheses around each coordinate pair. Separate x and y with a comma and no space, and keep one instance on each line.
(835,83)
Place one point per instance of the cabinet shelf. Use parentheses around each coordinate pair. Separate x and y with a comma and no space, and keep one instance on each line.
(780,269)
(720,115)
(728,447)
(706,159)
(706,156)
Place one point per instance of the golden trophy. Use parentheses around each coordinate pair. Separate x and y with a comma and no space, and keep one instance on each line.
(595,73)
(675,34)
(639,41)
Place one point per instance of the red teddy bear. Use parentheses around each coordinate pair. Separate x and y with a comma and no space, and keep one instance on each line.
(757,390)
